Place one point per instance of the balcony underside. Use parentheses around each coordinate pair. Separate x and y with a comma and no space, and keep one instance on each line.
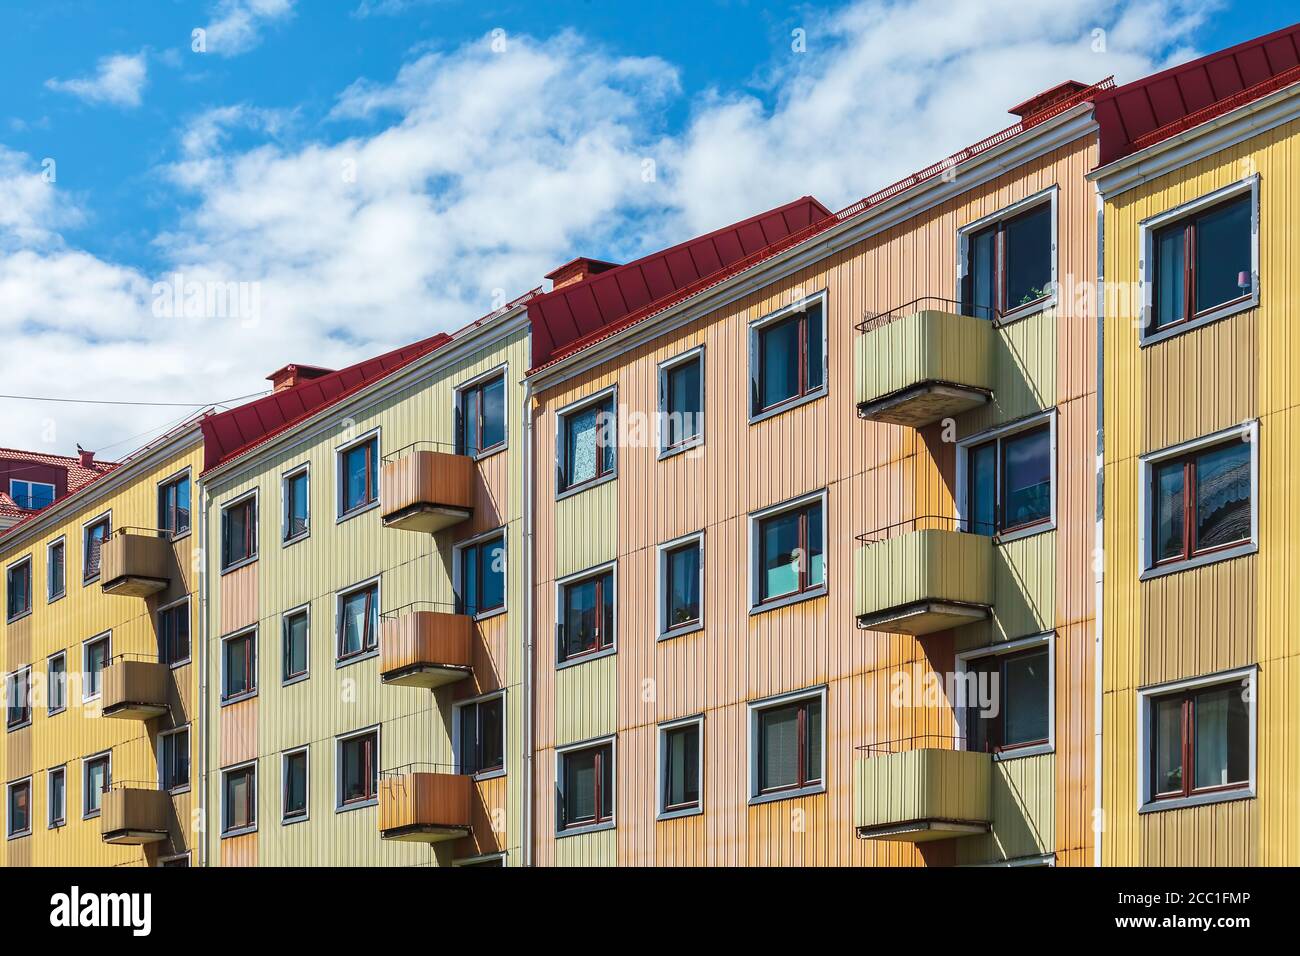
(923,404)
(425,833)
(135,585)
(426,517)
(923,617)
(129,837)
(134,710)
(426,675)
(923,831)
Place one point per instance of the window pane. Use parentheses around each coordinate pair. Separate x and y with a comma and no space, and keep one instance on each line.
(981,283)
(684,414)
(1169,494)
(1223,496)
(579,787)
(94,543)
(295,645)
(469,738)
(1168,745)
(580,446)
(295,784)
(778,744)
(358,476)
(96,783)
(1029,257)
(469,421)
(813,348)
(983,492)
(1028,478)
(491,734)
(1222,722)
(779,541)
(976,690)
(813,743)
(297,504)
(1223,254)
(607,609)
(492,558)
(58,797)
(683,586)
(778,363)
(682,767)
(358,769)
(581,626)
(816,555)
(239,799)
(237,669)
(494,414)
(1170,264)
(58,676)
(359,620)
(96,658)
(469,583)
(606,782)
(56,574)
(182,507)
(1025,699)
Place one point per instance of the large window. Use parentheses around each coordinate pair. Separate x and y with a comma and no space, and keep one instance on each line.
(174,506)
(786,746)
(18,699)
(788,545)
(56,791)
(587,615)
(358,476)
(681,402)
(174,760)
(588,443)
(93,537)
(94,658)
(1009,264)
(55,571)
(358,769)
(481,734)
(482,570)
(1201,263)
(297,505)
(296,630)
(681,581)
(481,420)
(96,778)
(293,769)
(1009,482)
(239,532)
(239,799)
(358,632)
(680,763)
(1008,698)
(174,633)
(239,665)
(586,785)
(19,806)
(787,358)
(56,683)
(31,495)
(18,589)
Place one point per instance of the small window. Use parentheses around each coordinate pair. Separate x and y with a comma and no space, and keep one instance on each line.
(587,616)
(174,634)
(483,576)
(238,665)
(679,767)
(482,733)
(1009,264)
(18,695)
(1201,263)
(787,746)
(1199,741)
(358,622)
(297,507)
(789,558)
(56,789)
(358,769)
(31,495)
(1201,502)
(296,626)
(20,808)
(588,443)
(586,786)
(174,760)
(681,402)
(55,575)
(481,422)
(788,358)
(56,683)
(1009,482)
(293,767)
(239,532)
(681,579)
(176,862)
(174,506)
(93,537)
(94,655)
(238,799)
(18,590)
(1012,707)
(97,777)
(358,476)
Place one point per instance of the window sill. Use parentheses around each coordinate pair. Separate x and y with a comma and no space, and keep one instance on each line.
(578,831)
(177,791)
(1197,800)
(55,713)
(488,775)
(295,679)
(56,824)
(488,615)
(681,631)
(359,805)
(1200,561)
(356,512)
(679,814)
(1026,311)
(290,821)
(242,831)
(1006,537)
(241,563)
(1169,332)
(487,453)
(55,598)
(792,403)
(786,794)
(789,599)
(87,582)
(586,486)
(296,539)
(585,658)
(341,662)
(11,728)
(180,537)
(18,617)
(19,836)
(1037,750)
(691,445)
(180,664)
(227,701)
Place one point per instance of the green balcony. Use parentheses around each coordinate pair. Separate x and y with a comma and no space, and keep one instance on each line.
(924,581)
(922,795)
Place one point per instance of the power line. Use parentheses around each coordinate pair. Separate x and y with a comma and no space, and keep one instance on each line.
(101,401)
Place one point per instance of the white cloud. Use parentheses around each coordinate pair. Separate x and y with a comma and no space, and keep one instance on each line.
(118,80)
(237,25)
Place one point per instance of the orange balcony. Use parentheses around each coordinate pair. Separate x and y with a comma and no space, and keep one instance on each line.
(420,804)
(422,647)
(135,689)
(134,814)
(426,490)
(135,562)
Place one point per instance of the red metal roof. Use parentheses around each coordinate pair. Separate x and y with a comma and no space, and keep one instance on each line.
(1157,107)
(566,316)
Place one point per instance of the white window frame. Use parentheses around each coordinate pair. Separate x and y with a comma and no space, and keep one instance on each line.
(456,708)
(662,629)
(257,800)
(503,371)
(667,366)
(577,578)
(185,729)
(589,744)
(339,741)
(158,617)
(255,497)
(305,750)
(753,709)
(457,577)
(85,669)
(183,474)
(86,812)
(54,491)
(340,598)
(661,761)
(303,470)
(10,568)
(107,516)
(31,807)
(1248,432)
(26,669)
(760,324)
(49,711)
(50,822)
(1247,677)
(257,684)
(62,542)
(755,556)
(285,616)
(1147,229)
(964,446)
(1050,195)
(962,666)
(562,417)
(340,452)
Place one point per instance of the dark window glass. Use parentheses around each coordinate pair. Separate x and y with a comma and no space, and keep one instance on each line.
(31,495)
(360,476)
(1218,480)
(588,786)
(96,659)
(1027,478)
(295,785)
(174,634)
(55,575)
(19,710)
(1202,262)
(1201,741)
(358,769)
(239,532)
(295,645)
(56,693)
(174,761)
(1171,277)
(982,279)
(98,778)
(983,493)
(93,542)
(587,616)
(174,506)
(683,418)
(790,746)
(483,417)
(18,590)
(790,359)
(58,791)
(359,622)
(296,514)
(1009,264)
(791,556)
(20,808)
(681,769)
(590,438)
(237,666)
(1009,701)
(682,587)
(482,736)
(239,803)
(483,576)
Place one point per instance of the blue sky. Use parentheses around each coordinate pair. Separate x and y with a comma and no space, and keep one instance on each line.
(377,170)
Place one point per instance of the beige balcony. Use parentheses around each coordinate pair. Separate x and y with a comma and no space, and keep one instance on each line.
(135,690)
(136,563)
(917,367)
(426,491)
(420,806)
(425,648)
(922,794)
(924,580)
(134,815)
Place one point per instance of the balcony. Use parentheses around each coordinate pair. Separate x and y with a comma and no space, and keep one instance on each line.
(423,489)
(926,792)
(134,813)
(422,646)
(135,689)
(923,362)
(136,562)
(924,575)
(423,803)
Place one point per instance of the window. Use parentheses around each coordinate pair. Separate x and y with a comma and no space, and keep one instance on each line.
(56,789)
(239,532)
(96,778)
(181,861)
(174,760)
(56,683)
(174,506)
(358,769)
(93,537)
(1199,744)
(1008,698)
(482,576)
(481,417)
(481,729)
(174,633)
(586,783)
(55,576)
(18,694)
(293,769)
(1201,263)
(680,762)
(296,626)
(31,495)
(787,357)
(787,746)
(94,658)
(20,808)
(297,507)
(18,590)
(239,799)
(1009,264)
(681,402)
(587,615)
(681,580)
(358,476)
(1009,481)
(358,622)
(238,665)
(788,551)
(588,443)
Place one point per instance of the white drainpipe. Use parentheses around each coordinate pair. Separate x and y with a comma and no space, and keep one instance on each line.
(1099,822)
(526,645)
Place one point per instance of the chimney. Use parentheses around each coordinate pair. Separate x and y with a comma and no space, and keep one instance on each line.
(578,270)
(292,375)
(87,458)
(1046,99)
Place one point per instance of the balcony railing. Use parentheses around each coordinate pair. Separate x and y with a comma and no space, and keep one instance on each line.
(426,487)
(924,575)
(425,645)
(134,812)
(924,361)
(921,789)
(424,803)
(135,688)
(136,562)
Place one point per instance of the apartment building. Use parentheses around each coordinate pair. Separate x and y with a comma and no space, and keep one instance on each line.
(362,655)
(32,480)
(1200,168)
(101,692)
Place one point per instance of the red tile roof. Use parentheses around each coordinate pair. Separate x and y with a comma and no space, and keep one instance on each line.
(1157,107)
(78,474)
